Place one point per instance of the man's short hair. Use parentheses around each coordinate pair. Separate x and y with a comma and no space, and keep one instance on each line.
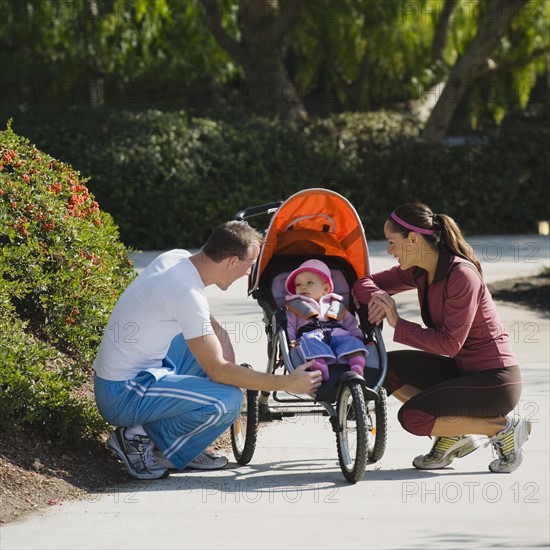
(230,239)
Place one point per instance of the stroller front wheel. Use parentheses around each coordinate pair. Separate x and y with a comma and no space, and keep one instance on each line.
(351,438)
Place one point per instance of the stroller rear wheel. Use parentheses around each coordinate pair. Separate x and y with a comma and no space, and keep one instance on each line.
(377,427)
(352,439)
(244,431)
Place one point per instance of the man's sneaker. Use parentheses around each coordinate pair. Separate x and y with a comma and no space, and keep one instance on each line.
(163,462)
(136,454)
(208,461)
(507,445)
(205,461)
(445,450)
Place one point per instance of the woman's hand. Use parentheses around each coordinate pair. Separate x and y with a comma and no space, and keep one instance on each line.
(382,306)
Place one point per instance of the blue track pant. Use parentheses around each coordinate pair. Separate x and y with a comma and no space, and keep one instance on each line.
(182,412)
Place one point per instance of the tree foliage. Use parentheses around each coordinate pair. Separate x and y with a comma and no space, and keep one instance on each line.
(277,56)
(55,51)
(491,71)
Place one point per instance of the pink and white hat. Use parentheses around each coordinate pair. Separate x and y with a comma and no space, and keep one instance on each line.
(315,266)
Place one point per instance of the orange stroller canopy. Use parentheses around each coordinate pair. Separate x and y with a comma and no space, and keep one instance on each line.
(316,222)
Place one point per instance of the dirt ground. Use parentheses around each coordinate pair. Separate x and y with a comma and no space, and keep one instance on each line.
(35,473)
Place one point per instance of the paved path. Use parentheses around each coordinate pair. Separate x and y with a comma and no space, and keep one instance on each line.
(293,494)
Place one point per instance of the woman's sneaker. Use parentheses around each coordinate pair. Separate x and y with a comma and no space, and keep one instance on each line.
(445,450)
(508,443)
(136,454)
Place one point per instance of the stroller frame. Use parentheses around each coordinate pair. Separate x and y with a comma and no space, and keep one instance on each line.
(357,411)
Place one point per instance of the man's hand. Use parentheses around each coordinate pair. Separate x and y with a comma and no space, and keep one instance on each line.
(208,352)
(227,347)
(302,381)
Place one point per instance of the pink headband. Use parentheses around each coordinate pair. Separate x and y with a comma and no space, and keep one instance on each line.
(395,217)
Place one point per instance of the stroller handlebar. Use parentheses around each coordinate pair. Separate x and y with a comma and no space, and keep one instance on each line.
(267,208)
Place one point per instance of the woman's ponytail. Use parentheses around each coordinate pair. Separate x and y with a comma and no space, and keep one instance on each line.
(452,240)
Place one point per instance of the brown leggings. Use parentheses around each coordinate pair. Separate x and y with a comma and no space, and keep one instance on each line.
(447,392)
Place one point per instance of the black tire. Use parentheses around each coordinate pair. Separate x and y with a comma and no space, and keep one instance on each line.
(377,427)
(244,431)
(351,438)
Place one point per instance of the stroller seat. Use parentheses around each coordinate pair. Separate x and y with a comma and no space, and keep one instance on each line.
(272,296)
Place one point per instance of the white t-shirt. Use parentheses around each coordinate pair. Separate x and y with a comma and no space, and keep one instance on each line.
(166,299)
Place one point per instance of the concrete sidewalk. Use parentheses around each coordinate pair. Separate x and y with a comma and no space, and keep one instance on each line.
(293,494)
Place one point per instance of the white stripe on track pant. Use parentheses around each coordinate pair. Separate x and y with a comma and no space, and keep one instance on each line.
(182,412)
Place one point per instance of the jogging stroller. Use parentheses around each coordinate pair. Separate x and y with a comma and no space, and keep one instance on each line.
(316,224)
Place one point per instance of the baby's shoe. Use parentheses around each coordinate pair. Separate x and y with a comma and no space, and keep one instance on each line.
(357,369)
(320,365)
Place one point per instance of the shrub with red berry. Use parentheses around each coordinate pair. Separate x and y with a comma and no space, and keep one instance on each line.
(62,268)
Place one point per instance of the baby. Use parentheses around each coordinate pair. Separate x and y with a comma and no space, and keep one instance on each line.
(319,322)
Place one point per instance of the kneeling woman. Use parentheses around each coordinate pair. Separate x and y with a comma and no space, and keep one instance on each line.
(465,381)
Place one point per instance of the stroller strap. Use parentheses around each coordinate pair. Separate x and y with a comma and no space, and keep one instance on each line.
(306,310)
(326,326)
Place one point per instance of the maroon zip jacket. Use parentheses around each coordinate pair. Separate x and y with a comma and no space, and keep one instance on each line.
(457,309)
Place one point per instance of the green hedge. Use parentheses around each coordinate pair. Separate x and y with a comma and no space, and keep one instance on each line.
(168,177)
(62,268)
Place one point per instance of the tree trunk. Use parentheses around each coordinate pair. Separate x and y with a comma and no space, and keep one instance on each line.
(96,91)
(472,63)
(441,34)
(261,53)
(96,84)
